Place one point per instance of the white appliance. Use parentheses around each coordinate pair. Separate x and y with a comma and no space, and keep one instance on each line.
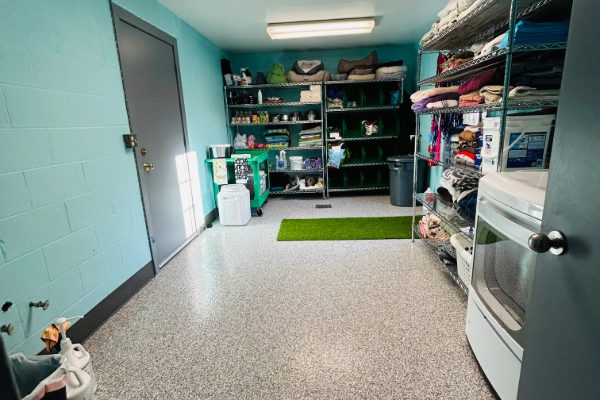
(525,144)
(234,204)
(509,211)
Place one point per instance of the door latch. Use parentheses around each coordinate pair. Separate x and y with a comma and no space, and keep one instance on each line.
(148,166)
(130,140)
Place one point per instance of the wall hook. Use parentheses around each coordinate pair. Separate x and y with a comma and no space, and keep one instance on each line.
(40,304)
(8,329)
(6,306)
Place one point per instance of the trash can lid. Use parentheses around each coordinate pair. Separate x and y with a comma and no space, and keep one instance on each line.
(234,187)
(401,158)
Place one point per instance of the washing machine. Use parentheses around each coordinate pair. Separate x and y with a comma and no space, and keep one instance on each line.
(509,211)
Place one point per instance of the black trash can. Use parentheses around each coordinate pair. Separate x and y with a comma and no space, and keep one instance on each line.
(401,180)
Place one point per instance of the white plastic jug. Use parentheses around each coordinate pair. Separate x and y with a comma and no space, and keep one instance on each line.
(79,385)
(77,357)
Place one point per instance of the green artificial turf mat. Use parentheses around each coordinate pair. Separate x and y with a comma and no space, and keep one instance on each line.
(372,228)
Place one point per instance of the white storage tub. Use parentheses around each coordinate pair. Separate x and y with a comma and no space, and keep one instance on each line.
(464,258)
(234,205)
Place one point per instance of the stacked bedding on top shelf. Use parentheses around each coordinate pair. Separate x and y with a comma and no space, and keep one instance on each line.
(310,137)
(454,11)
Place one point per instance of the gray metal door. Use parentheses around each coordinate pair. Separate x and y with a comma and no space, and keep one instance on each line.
(562,353)
(149,64)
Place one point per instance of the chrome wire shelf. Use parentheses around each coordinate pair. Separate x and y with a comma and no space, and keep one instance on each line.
(296,192)
(362,164)
(299,171)
(360,139)
(296,148)
(492,13)
(441,163)
(357,82)
(357,189)
(362,109)
(493,59)
(512,105)
(272,85)
(268,105)
(281,123)
(433,246)
(448,213)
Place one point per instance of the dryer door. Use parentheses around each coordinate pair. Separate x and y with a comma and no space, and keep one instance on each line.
(503,264)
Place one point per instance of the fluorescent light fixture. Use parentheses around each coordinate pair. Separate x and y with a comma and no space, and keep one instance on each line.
(334,27)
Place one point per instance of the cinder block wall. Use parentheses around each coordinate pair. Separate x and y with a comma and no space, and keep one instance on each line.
(71,220)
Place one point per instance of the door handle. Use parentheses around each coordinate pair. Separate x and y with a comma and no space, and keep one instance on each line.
(148,166)
(555,241)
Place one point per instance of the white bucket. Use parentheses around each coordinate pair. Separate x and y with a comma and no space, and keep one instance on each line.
(296,163)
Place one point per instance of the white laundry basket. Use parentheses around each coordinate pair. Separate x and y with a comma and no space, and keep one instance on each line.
(234,204)
(464,258)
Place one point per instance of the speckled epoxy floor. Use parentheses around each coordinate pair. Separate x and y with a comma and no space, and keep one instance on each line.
(238,315)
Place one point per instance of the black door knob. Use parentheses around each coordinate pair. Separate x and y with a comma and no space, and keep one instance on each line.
(555,242)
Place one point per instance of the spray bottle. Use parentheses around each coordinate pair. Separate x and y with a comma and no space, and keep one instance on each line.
(76,355)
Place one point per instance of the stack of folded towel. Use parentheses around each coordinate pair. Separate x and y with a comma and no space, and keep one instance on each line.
(310,137)
(277,138)
(454,11)
(456,60)
(526,93)
(313,95)
(440,97)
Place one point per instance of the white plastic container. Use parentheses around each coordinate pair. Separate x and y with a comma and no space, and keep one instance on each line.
(234,205)
(464,258)
(79,385)
(296,163)
(78,359)
(525,142)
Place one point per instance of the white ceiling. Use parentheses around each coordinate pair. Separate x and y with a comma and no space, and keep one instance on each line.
(240,26)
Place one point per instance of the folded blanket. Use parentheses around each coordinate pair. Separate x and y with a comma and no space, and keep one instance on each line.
(391,69)
(491,93)
(421,106)
(477,82)
(468,136)
(527,32)
(424,94)
(442,104)
(470,99)
(368,77)
(397,75)
(491,46)
(362,71)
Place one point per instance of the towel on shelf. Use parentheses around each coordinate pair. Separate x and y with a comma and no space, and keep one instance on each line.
(427,93)
(442,104)
(421,106)
(470,99)
(526,93)
(491,93)
(367,77)
(491,46)
(527,32)
(241,167)
(220,171)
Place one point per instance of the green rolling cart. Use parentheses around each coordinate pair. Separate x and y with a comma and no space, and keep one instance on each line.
(258,161)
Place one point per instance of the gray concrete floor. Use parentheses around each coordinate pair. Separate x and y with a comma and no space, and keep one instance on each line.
(238,315)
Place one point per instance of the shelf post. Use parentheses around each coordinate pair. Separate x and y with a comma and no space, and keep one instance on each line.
(514,11)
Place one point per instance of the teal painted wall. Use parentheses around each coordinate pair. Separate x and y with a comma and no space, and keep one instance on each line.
(263,61)
(71,220)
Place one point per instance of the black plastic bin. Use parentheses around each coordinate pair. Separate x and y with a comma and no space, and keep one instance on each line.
(401,180)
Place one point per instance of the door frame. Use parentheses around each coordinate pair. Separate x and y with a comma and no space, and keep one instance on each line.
(119,14)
